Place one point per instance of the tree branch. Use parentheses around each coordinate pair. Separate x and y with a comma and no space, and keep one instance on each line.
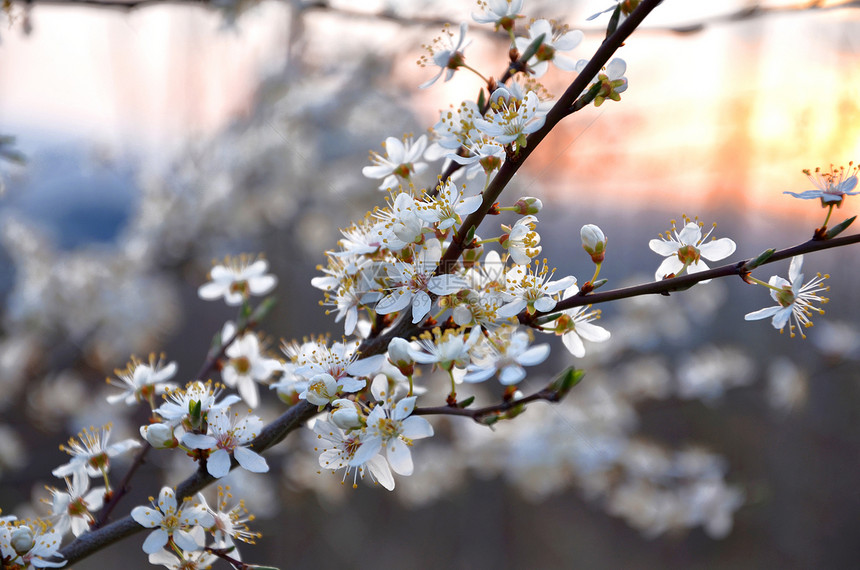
(666,286)
(403,327)
(90,542)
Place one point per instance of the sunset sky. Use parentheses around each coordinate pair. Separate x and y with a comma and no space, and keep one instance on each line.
(724,117)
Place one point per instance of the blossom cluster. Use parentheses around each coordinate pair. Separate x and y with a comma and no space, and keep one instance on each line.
(471,308)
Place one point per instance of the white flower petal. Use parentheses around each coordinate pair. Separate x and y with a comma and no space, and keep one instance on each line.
(670,265)
(663,247)
(534,355)
(717,249)
(510,375)
(218,463)
(399,457)
(592,332)
(574,344)
(250,460)
(421,304)
(416,427)
(761,314)
(146,517)
(156,540)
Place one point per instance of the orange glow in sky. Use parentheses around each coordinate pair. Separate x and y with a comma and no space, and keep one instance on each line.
(727,117)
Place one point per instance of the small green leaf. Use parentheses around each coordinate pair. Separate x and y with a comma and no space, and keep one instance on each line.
(613,21)
(489,420)
(466,403)
(586,98)
(838,229)
(470,235)
(532,49)
(762,257)
(566,380)
(263,309)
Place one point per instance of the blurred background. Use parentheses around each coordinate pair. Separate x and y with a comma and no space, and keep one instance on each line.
(162,137)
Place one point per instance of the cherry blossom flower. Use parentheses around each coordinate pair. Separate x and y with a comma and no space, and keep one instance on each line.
(30,544)
(794,299)
(412,282)
(612,80)
(390,427)
(179,402)
(324,388)
(347,286)
(506,354)
(229,435)
(399,161)
(446,349)
(401,225)
(445,54)
(509,119)
(230,523)
(456,127)
(91,457)
(831,187)
(522,240)
(360,238)
(485,155)
(171,521)
(237,279)
(554,41)
(143,381)
(500,13)
(72,510)
(447,206)
(574,325)
(245,364)
(341,360)
(685,249)
(532,289)
(482,308)
(339,451)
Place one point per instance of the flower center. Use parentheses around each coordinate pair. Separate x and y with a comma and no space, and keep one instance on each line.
(99,461)
(545,53)
(242,365)
(388,428)
(239,287)
(77,508)
(785,297)
(688,254)
(170,523)
(403,170)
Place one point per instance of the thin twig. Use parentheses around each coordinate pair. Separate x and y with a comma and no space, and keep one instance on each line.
(667,286)
(478,414)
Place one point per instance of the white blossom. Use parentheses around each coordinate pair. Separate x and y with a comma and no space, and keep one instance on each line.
(237,279)
(171,520)
(794,299)
(684,250)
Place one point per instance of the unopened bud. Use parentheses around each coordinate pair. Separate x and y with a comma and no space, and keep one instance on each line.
(398,354)
(345,414)
(22,540)
(528,205)
(593,242)
(159,436)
